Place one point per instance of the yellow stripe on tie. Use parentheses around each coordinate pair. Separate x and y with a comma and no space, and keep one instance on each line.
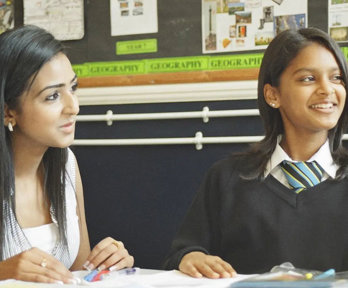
(302,174)
(315,176)
(292,177)
(317,168)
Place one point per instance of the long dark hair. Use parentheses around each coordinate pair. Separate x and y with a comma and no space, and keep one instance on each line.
(281,51)
(23,51)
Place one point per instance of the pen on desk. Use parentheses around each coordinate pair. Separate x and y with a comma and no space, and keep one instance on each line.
(101,275)
(126,271)
(89,277)
(326,274)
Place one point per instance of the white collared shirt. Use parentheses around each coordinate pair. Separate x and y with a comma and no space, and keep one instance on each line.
(323,157)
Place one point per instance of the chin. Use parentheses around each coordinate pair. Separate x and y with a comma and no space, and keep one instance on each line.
(64,144)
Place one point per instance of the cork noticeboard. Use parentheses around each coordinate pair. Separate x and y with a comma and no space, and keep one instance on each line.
(179,46)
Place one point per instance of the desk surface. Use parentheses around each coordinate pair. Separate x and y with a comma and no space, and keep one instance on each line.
(143,278)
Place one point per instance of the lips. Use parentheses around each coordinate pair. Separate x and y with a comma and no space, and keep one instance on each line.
(67,125)
(68,128)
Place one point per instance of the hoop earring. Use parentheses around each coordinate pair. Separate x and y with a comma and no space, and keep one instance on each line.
(10,127)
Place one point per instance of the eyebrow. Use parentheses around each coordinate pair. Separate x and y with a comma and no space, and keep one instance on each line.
(56,85)
(332,69)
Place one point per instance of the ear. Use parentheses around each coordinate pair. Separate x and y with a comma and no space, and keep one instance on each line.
(9,116)
(271,95)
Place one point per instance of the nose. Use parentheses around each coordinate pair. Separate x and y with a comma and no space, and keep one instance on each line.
(71,104)
(325,87)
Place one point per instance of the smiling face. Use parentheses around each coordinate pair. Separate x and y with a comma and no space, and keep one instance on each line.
(311,94)
(46,112)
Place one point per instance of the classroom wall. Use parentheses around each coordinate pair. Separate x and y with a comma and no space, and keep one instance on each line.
(140,194)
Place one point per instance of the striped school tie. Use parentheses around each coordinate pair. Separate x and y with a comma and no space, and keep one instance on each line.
(302,175)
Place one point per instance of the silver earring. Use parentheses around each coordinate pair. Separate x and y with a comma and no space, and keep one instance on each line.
(10,127)
(272,104)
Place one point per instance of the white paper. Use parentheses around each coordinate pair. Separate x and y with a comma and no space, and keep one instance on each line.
(156,278)
(338,20)
(143,278)
(63,18)
(133,17)
(237,25)
(6,15)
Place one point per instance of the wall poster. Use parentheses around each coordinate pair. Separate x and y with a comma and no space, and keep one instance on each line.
(130,17)
(6,15)
(237,25)
(338,20)
(63,18)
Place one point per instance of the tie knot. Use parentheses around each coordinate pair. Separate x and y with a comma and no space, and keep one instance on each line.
(302,175)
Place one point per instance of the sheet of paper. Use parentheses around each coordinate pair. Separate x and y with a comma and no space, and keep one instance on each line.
(64,19)
(157,278)
(143,278)
(338,20)
(133,17)
(249,24)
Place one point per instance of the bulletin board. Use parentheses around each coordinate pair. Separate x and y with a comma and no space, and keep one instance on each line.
(179,37)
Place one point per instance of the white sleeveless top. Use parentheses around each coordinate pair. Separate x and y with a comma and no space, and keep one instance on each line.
(45,237)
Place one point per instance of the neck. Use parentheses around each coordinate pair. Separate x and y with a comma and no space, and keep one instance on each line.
(27,158)
(302,147)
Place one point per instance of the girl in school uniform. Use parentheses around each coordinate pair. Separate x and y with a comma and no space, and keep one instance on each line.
(43,229)
(264,207)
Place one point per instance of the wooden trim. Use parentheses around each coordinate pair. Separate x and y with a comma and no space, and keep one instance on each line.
(170,78)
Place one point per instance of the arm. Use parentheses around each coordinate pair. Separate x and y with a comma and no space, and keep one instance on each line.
(108,253)
(35,265)
(84,249)
(199,234)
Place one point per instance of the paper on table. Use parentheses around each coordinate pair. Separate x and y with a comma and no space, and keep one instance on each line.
(158,278)
(143,278)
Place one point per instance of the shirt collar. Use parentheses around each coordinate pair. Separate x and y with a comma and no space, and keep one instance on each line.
(322,156)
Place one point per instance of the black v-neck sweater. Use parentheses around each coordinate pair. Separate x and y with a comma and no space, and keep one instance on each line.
(255,225)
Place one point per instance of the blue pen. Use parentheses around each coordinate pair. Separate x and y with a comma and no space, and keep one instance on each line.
(326,274)
(89,277)
(126,271)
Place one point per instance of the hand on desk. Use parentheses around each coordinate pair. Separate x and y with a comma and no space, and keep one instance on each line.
(35,265)
(198,264)
(109,253)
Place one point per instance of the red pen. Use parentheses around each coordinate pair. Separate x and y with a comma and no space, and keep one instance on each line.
(100,275)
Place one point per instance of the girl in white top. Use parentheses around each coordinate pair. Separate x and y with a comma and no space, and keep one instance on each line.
(43,232)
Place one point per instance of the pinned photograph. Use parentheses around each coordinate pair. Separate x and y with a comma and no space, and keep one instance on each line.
(242,31)
(125,13)
(123,5)
(268,14)
(138,11)
(138,3)
(6,15)
(339,34)
(210,43)
(264,38)
(222,6)
(286,22)
(243,17)
(232,31)
(235,7)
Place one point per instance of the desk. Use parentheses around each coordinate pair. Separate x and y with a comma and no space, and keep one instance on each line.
(143,278)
